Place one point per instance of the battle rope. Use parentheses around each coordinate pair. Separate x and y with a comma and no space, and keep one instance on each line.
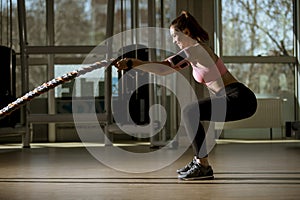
(7,110)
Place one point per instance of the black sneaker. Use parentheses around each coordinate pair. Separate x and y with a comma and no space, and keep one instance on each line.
(187,167)
(197,172)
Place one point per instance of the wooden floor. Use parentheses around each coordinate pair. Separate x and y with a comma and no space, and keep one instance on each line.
(262,170)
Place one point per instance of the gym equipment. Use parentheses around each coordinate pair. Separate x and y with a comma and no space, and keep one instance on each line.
(7,81)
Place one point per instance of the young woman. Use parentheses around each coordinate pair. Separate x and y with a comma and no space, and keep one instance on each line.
(208,69)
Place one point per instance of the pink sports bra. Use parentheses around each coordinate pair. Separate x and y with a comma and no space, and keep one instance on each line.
(208,75)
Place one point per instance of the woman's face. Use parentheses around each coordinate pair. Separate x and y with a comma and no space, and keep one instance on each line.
(180,39)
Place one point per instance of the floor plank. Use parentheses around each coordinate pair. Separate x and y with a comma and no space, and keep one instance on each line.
(255,170)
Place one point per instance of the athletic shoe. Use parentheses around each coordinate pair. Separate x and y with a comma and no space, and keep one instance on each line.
(187,167)
(197,172)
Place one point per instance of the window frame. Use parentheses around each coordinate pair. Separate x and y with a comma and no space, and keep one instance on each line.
(218,44)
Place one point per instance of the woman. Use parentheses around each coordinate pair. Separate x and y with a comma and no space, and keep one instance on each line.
(208,69)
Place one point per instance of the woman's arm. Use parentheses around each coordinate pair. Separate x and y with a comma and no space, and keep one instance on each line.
(160,68)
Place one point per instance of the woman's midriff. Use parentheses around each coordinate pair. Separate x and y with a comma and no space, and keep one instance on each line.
(223,81)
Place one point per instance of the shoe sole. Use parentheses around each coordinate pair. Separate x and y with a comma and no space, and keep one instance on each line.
(181,173)
(198,178)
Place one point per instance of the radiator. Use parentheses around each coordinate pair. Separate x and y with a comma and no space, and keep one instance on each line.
(268,115)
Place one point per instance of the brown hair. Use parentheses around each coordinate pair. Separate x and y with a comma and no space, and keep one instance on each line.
(185,21)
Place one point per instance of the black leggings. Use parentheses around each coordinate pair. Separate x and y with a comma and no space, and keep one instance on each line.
(234,102)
